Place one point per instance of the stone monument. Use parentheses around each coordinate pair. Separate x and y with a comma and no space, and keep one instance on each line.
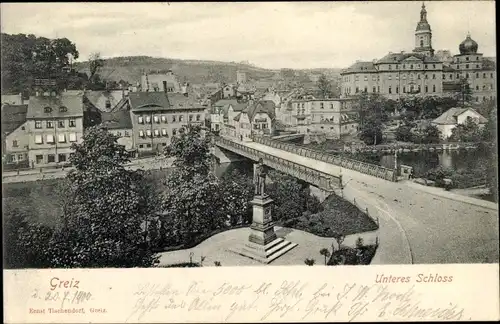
(263,245)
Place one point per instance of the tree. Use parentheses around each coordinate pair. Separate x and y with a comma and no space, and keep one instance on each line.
(371,132)
(237,192)
(431,135)
(286,191)
(324,86)
(326,253)
(310,262)
(191,151)
(404,134)
(466,132)
(464,94)
(27,57)
(95,64)
(111,208)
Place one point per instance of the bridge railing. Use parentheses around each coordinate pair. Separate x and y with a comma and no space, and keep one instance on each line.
(320,179)
(363,167)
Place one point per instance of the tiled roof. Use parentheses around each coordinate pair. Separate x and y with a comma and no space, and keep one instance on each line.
(361,67)
(148,101)
(449,117)
(398,57)
(180,101)
(237,106)
(117,120)
(13,116)
(97,98)
(265,106)
(72,102)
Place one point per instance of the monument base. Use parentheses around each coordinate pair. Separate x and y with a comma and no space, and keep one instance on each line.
(264,253)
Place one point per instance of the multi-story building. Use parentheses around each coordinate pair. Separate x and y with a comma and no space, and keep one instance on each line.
(160,82)
(158,116)
(15,139)
(332,117)
(421,72)
(119,124)
(54,122)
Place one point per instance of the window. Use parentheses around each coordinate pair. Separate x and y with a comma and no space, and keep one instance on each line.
(156,119)
(61,138)
(164,144)
(148,132)
(467,75)
(108,104)
(72,137)
(374,89)
(148,119)
(390,89)
(426,77)
(421,43)
(127,134)
(458,59)
(198,117)
(467,58)
(477,99)
(419,88)
(404,76)
(148,145)
(404,89)
(477,66)
(164,132)
(20,157)
(477,87)
(164,118)
(72,123)
(60,124)
(190,118)
(119,134)
(425,66)
(466,66)
(157,132)
(63,109)
(49,124)
(444,76)
(418,76)
(141,133)
(50,138)
(389,77)
(51,158)
(61,157)
(180,118)
(357,89)
(397,89)
(140,120)
(433,76)
(433,88)
(378,88)
(14,143)
(39,159)
(174,131)
(47,110)
(356,78)
(404,66)
(491,75)
(141,145)
(38,139)
(458,75)
(38,124)
(451,76)
(174,119)
(366,78)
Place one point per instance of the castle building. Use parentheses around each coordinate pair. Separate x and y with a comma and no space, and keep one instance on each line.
(422,73)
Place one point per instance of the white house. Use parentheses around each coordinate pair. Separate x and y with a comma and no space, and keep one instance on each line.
(456,116)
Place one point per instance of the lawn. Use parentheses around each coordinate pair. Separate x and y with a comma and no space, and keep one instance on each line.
(338,216)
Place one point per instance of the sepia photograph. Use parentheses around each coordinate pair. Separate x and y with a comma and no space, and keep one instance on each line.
(218,134)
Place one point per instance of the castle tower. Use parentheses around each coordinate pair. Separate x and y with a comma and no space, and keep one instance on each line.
(423,35)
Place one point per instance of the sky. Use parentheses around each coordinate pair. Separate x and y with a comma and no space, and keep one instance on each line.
(299,35)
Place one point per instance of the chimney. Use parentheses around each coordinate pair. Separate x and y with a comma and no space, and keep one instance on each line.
(165,86)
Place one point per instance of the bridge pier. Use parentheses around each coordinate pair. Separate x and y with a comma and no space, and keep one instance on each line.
(319,193)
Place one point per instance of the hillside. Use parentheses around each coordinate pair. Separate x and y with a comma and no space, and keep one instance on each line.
(195,71)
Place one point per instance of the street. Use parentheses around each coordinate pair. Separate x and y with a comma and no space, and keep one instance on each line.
(438,229)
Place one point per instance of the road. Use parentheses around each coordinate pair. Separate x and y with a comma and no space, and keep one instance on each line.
(33,175)
(437,227)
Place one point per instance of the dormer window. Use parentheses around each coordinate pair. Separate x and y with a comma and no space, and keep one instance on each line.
(47,110)
(63,109)
(108,104)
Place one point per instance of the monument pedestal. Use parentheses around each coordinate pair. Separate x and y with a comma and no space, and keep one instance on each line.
(263,245)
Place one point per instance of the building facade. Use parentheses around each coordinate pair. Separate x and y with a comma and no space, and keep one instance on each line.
(119,123)
(456,116)
(421,72)
(15,139)
(54,121)
(332,117)
(160,82)
(157,117)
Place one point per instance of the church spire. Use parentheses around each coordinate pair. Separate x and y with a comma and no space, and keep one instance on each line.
(423,13)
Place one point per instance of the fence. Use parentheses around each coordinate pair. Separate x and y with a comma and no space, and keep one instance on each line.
(317,178)
(363,167)
(413,147)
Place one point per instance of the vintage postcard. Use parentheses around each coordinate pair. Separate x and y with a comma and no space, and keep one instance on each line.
(249,162)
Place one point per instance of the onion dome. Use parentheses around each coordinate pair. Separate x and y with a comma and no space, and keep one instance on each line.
(468,46)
